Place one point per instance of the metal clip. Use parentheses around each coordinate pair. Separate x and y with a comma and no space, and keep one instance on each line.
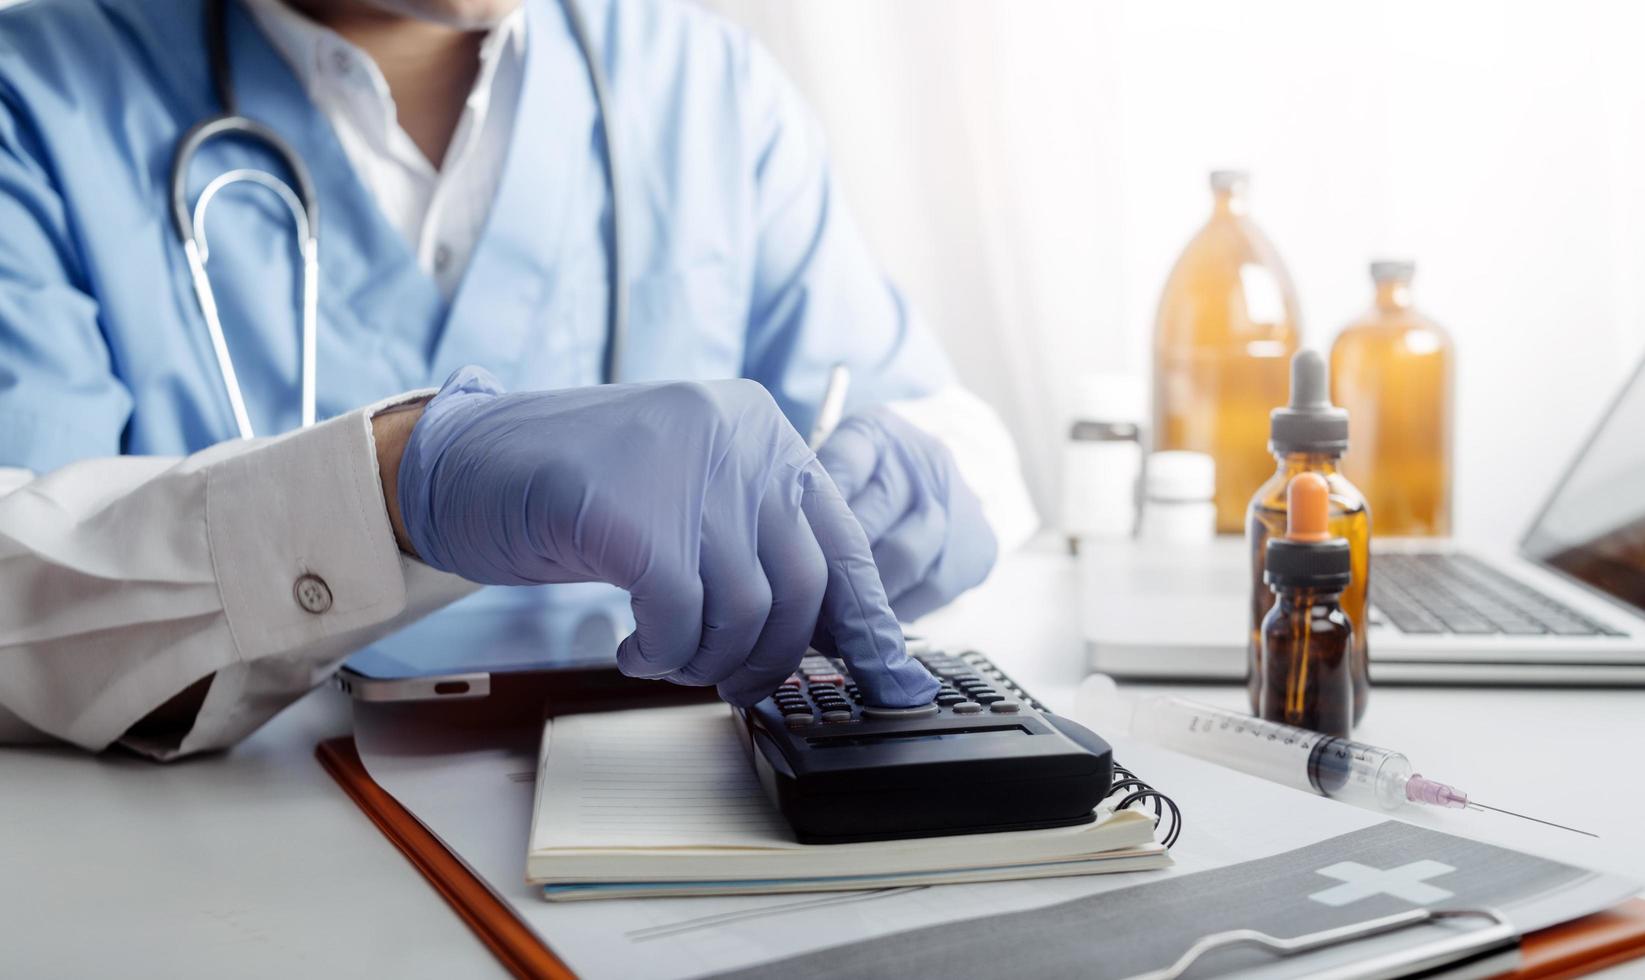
(1477,952)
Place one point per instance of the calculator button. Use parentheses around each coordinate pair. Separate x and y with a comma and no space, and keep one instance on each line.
(793,681)
(947,699)
(1005,707)
(986,697)
(967,708)
(825,678)
(891,714)
(835,717)
(798,721)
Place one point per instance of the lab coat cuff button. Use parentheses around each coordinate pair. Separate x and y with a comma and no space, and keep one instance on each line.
(312,593)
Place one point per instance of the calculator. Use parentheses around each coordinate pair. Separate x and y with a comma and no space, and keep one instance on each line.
(983,757)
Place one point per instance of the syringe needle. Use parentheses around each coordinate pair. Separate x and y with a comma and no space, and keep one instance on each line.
(1480,806)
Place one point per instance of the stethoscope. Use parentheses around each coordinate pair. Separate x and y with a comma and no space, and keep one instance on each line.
(304,207)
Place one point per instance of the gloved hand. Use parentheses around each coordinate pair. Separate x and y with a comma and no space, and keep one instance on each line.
(926,527)
(698,498)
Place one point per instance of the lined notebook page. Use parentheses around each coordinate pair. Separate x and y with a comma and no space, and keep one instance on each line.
(651,778)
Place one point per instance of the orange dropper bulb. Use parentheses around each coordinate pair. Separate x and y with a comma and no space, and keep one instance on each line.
(1308,508)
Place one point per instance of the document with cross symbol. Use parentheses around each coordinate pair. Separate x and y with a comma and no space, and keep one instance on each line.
(1268,858)
(1383,869)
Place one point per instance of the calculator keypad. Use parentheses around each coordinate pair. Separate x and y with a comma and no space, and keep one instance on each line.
(822,692)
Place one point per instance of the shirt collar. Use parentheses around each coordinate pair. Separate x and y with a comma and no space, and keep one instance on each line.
(322,58)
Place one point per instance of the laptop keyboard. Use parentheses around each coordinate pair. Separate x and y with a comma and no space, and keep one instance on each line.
(1455,593)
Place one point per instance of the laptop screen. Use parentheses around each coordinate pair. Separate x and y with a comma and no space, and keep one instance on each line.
(1593,527)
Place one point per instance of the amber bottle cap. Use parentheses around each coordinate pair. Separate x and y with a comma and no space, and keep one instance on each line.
(1393,270)
(1307,508)
(1310,423)
(1308,557)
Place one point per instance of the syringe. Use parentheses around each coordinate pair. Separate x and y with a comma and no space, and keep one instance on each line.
(1340,768)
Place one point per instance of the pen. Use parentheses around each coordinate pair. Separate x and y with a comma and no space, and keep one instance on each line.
(833,405)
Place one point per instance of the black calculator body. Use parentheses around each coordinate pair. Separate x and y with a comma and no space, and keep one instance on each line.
(984,757)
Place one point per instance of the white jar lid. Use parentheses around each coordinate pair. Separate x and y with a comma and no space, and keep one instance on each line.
(1179,475)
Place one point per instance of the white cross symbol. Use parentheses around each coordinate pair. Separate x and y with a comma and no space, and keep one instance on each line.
(1360,881)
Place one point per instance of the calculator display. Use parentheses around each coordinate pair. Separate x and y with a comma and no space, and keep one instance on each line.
(880,738)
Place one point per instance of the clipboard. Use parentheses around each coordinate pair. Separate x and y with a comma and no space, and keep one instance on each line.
(1567,950)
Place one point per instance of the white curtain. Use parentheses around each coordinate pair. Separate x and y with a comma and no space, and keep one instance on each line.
(982,177)
(1029,169)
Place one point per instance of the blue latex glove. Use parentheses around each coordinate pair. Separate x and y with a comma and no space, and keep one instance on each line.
(698,498)
(926,527)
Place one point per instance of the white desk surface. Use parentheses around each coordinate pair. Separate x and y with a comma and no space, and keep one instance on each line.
(253,863)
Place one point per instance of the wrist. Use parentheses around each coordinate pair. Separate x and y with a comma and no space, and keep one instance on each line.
(391,430)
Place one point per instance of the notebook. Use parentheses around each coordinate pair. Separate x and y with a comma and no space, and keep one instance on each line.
(664,802)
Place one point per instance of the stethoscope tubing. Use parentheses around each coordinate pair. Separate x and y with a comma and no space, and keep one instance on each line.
(189,222)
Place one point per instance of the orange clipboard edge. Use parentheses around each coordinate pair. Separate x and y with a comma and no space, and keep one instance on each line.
(519,949)
(1567,950)
(1584,945)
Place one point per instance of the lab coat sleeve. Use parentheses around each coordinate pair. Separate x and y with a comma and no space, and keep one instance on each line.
(125,579)
(820,298)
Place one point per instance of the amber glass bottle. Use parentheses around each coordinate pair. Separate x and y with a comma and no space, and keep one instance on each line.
(1391,369)
(1227,323)
(1307,638)
(1309,435)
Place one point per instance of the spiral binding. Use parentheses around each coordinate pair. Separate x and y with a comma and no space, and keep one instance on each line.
(1137,792)
(1153,801)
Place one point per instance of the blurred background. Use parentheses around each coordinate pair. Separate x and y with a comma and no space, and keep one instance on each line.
(1029,171)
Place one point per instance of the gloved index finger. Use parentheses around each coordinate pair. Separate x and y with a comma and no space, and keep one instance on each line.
(855,612)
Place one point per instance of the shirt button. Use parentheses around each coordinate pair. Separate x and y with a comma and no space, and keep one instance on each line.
(442,258)
(341,62)
(312,593)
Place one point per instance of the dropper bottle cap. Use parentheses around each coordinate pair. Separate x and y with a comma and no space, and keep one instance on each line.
(1308,557)
(1310,423)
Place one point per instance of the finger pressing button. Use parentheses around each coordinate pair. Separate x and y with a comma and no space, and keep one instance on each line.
(312,593)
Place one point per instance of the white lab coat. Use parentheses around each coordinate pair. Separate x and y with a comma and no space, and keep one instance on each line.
(132,577)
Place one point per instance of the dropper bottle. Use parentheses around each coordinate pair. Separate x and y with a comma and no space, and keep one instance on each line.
(1307,638)
(1310,435)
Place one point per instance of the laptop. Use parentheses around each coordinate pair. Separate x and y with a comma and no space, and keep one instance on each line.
(1566,607)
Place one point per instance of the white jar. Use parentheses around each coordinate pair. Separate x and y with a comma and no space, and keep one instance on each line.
(1178,504)
(1102,459)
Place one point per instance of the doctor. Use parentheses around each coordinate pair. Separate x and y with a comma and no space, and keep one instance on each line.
(489,184)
